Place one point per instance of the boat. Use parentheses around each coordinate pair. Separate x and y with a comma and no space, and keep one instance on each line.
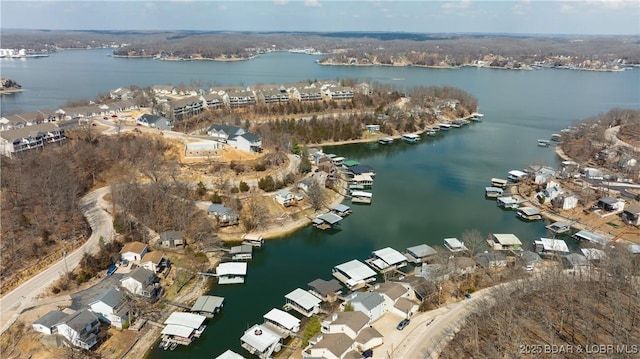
(556,137)
(166,345)
(477,117)
(173,346)
(410,137)
(385,141)
(162,344)
(431,132)
(445,126)
(544,143)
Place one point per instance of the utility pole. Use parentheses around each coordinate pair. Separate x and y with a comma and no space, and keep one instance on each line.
(64,257)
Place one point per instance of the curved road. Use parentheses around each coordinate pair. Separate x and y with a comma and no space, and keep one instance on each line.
(93,206)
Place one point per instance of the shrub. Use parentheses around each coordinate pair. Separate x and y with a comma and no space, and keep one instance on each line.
(260,167)
(215,198)
(244,187)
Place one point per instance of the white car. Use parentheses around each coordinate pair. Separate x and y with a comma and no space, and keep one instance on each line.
(529,267)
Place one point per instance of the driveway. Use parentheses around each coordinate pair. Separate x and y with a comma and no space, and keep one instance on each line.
(82,299)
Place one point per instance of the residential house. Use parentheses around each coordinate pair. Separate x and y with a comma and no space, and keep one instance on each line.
(223,133)
(141,282)
(80,329)
(327,291)
(542,174)
(373,129)
(594,255)
(303,302)
(224,215)
(163,89)
(153,261)
(405,307)
(611,204)
(363,88)
(370,303)
(188,91)
(309,94)
(575,261)
(47,323)
(241,98)
(172,239)
(338,93)
(214,100)
(247,142)
(133,251)
(186,107)
(349,323)
(272,95)
(121,93)
(631,214)
(28,138)
(154,121)
(285,197)
(565,202)
(491,259)
(504,242)
(329,346)
(111,307)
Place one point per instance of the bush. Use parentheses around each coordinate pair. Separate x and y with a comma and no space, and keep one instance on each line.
(260,167)
(267,184)
(215,198)
(234,189)
(244,187)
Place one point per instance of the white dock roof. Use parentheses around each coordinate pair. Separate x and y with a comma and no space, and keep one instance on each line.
(389,256)
(283,318)
(260,337)
(454,243)
(421,250)
(361,194)
(507,239)
(356,270)
(229,354)
(177,330)
(232,268)
(189,320)
(303,298)
(553,245)
(517,173)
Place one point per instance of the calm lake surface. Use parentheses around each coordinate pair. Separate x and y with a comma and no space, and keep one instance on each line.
(423,192)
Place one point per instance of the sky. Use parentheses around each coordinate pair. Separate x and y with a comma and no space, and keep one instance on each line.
(608,17)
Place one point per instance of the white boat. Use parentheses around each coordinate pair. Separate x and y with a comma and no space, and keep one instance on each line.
(431,132)
(410,138)
(477,117)
(445,126)
(544,143)
(361,197)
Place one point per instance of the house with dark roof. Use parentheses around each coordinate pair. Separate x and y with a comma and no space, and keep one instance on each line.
(171,239)
(491,259)
(392,292)
(631,214)
(47,323)
(322,345)
(223,133)
(30,137)
(611,204)
(142,282)
(111,308)
(223,214)
(154,121)
(247,142)
(186,107)
(342,333)
(80,329)
(328,291)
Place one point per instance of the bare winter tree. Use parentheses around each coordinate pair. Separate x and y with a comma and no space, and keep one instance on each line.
(317,197)
(474,241)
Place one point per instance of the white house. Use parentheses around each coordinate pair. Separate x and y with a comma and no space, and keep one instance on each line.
(47,323)
(349,323)
(140,282)
(392,292)
(80,329)
(171,239)
(370,303)
(223,133)
(284,197)
(152,261)
(247,142)
(111,308)
(133,251)
(405,307)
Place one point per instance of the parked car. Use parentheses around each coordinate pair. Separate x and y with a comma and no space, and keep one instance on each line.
(403,324)
(112,269)
(468,296)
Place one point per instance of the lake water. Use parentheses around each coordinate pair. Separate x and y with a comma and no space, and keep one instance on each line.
(422,193)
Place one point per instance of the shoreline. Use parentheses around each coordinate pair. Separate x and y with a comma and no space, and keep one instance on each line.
(10,91)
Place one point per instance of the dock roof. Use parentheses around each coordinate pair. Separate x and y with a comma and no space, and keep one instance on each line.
(356,270)
(283,318)
(330,218)
(341,208)
(389,255)
(553,245)
(360,169)
(350,163)
(361,194)
(529,211)
(591,237)
(243,248)
(325,287)
(421,251)
(593,253)
(506,239)
(229,354)
(190,320)
(260,337)
(177,330)
(207,303)
(493,189)
(303,298)
(454,243)
(231,268)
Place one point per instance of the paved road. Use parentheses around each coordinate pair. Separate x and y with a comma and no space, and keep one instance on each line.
(93,207)
(611,134)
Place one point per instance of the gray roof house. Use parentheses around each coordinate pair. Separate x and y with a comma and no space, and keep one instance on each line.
(111,308)
(223,133)
(171,239)
(328,291)
(370,303)
(154,121)
(141,282)
(80,329)
(491,259)
(225,215)
(247,142)
(47,323)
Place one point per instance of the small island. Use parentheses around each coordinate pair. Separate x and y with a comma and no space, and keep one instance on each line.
(8,86)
